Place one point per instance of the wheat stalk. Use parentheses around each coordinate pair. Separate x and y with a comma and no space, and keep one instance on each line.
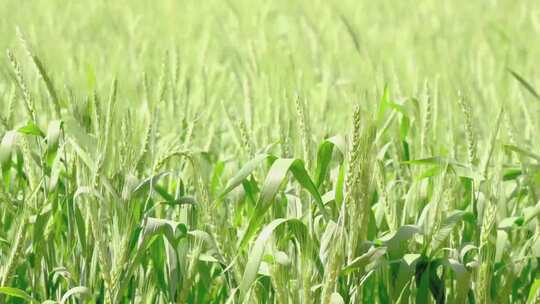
(27,98)
(469,134)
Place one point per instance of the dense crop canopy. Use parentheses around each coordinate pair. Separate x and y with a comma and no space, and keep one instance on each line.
(273,152)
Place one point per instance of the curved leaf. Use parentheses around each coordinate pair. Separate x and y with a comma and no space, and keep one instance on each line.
(273,181)
(404,233)
(522,152)
(324,156)
(245,172)
(360,262)
(257,250)
(446,228)
(462,277)
(465,250)
(208,240)
(148,182)
(17,293)
(79,290)
(167,228)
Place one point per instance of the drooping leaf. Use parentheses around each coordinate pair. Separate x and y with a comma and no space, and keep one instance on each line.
(148,183)
(75,291)
(462,278)
(17,293)
(257,250)
(245,172)
(394,241)
(523,152)
(362,261)
(273,181)
(447,227)
(209,241)
(324,156)
(169,229)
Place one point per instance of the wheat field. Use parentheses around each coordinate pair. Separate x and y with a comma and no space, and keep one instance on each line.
(270,152)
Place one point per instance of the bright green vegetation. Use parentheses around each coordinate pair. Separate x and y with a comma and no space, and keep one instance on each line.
(280,152)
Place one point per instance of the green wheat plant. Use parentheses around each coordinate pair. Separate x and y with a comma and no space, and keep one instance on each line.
(269,152)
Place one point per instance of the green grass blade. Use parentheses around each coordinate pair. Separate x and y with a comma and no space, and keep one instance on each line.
(525,84)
